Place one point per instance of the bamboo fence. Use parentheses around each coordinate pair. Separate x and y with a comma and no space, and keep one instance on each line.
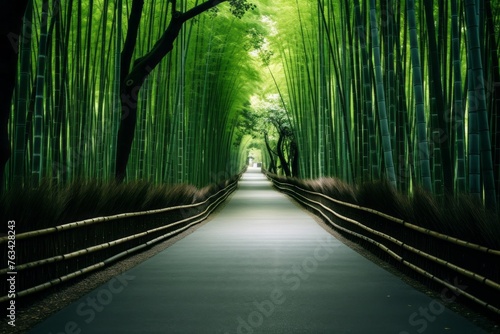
(438,257)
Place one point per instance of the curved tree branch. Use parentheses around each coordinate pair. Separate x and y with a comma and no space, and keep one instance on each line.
(142,67)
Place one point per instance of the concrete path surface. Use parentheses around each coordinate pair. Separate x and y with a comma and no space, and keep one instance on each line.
(261,265)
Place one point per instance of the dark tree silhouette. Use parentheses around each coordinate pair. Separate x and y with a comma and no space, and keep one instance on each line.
(272,164)
(133,79)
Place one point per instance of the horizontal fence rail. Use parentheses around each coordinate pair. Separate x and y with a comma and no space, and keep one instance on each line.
(67,251)
(438,257)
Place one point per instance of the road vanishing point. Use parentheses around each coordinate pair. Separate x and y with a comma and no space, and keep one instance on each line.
(260,265)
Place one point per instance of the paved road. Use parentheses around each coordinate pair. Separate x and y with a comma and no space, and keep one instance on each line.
(262,265)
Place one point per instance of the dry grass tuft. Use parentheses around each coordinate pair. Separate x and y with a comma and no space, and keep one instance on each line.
(47,205)
(463,217)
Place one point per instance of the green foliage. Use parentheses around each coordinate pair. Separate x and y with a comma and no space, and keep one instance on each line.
(240,7)
(351,100)
(195,92)
(349,93)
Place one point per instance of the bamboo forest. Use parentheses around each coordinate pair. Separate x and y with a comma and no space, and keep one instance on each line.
(180,91)
(113,110)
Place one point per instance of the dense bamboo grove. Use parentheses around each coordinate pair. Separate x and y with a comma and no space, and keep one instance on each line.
(406,91)
(66,111)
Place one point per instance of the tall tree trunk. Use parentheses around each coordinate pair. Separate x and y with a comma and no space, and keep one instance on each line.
(390,173)
(133,81)
(272,164)
(38,130)
(367,92)
(281,154)
(23,98)
(11,21)
(477,109)
(59,109)
(494,90)
(441,138)
(458,105)
(294,152)
(423,147)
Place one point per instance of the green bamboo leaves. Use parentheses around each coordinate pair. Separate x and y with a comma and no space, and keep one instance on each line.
(240,7)
(73,58)
(389,93)
(369,91)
